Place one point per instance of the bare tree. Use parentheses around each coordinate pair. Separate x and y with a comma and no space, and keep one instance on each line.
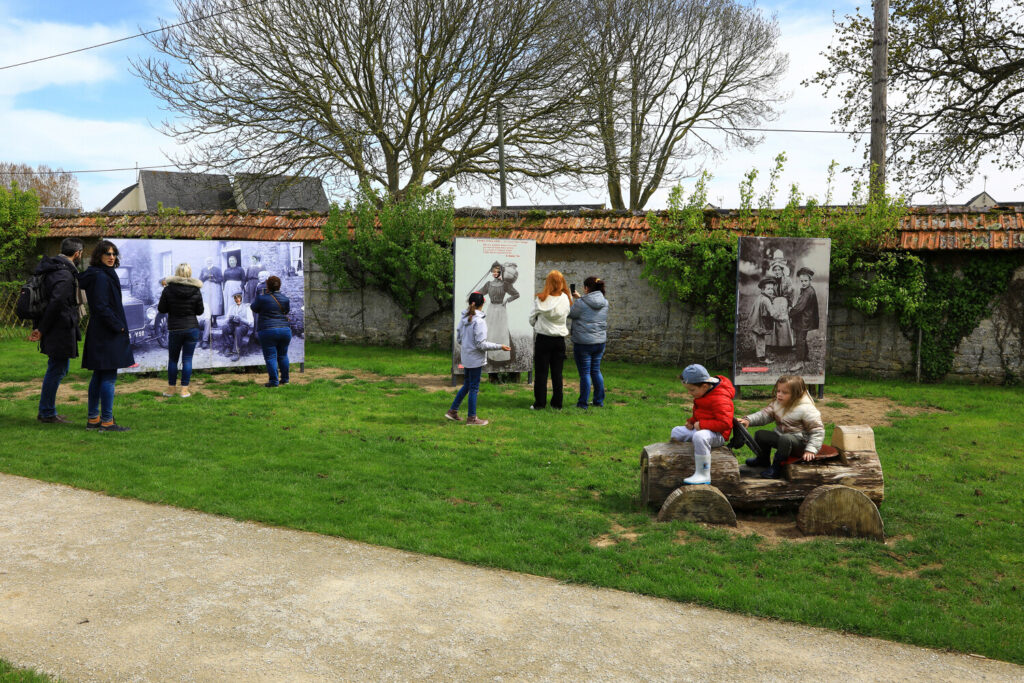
(397,93)
(54,187)
(660,72)
(956,87)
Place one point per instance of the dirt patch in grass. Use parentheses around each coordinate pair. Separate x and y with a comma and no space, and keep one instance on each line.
(903,573)
(877,412)
(158,383)
(617,535)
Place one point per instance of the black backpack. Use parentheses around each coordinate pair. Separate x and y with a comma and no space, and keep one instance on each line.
(32,299)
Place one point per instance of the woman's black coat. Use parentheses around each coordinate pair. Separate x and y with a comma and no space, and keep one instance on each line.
(182,302)
(107,344)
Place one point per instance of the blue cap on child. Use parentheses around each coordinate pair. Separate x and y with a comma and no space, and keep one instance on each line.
(697,374)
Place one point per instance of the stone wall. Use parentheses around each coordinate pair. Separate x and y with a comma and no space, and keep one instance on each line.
(645,329)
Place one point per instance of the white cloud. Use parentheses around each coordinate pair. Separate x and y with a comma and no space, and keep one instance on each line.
(78,143)
(21,41)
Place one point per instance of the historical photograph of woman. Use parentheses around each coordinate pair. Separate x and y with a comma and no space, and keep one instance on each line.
(509,267)
(498,292)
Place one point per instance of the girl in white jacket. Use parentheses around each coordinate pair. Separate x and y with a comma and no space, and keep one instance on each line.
(548,317)
(798,427)
(472,337)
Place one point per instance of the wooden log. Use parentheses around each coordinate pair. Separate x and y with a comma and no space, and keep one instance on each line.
(753,493)
(853,438)
(663,466)
(698,503)
(840,511)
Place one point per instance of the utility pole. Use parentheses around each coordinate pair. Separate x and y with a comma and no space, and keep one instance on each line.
(501,156)
(879,87)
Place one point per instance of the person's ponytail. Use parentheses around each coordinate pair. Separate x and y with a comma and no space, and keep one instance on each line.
(476,302)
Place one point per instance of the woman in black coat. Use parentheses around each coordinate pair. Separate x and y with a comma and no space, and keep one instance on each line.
(182,301)
(107,344)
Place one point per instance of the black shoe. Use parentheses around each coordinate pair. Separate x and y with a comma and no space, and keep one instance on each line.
(270,384)
(113,428)
(772,473)
(92,425)
(284,381)
(756,462)
(53,419)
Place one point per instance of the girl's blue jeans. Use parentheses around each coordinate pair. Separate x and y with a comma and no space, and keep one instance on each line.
(274,341)
(588,363)
(471,386)
(183,343)
(101,394)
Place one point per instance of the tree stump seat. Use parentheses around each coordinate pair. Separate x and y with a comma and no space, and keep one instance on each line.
(663,466)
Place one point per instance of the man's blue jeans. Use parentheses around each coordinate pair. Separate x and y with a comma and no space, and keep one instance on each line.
(183,343)
(470,386)
(101,393)
(56,369)
(588,363)
(275,342)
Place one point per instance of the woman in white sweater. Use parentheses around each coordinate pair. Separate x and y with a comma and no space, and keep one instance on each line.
(548,317)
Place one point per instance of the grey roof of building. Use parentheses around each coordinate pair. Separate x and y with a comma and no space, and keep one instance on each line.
(187,191)
(281,193)
(109,206)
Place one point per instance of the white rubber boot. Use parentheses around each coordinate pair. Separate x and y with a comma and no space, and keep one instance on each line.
(702,473)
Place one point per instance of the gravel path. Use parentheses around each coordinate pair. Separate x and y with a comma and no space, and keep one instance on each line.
(100,589)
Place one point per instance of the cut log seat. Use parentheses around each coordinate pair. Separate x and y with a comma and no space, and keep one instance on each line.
(663,466)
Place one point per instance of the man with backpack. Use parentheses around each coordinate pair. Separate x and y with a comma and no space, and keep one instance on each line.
(56,327)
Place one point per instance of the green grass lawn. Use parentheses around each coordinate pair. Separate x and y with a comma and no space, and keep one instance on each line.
(372,459)
(10,674)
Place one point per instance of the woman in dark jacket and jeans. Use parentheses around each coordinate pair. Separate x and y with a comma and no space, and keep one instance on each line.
(275,334)
(182,301)
(107,344)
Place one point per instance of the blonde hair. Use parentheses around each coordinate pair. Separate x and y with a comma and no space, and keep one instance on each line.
(183,270)
(554,284)
(797,388)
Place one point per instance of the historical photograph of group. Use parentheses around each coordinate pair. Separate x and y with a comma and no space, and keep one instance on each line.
(781,309)
(233,274)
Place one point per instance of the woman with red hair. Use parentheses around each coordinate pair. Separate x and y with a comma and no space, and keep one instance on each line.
(548,317)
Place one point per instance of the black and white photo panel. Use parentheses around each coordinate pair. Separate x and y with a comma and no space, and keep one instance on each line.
(226,268)
(781,309)
(503,271)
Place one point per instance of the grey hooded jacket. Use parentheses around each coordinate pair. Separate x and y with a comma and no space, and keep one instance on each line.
(472,336)
(589,315)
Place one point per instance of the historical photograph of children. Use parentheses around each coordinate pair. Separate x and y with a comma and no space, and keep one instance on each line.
(781,309)
(232,273)
(503,271)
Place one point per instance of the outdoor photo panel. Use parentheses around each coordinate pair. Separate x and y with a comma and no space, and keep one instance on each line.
(225,267)
(781,309)
(503,271)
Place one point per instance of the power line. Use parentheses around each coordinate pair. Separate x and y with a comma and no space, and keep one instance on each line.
(137,35)
(88,170)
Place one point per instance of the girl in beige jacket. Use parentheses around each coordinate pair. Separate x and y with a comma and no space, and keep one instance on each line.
(798,427)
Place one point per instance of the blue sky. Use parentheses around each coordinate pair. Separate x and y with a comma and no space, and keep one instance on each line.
(86,111)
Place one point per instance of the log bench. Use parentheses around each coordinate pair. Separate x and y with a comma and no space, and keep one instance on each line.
(663,466)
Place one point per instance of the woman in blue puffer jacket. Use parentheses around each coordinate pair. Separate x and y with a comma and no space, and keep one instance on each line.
(589,315)
(472,337)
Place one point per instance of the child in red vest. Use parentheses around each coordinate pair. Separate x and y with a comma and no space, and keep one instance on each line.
(711,422)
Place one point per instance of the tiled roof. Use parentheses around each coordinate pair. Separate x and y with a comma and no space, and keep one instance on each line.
(920,231)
